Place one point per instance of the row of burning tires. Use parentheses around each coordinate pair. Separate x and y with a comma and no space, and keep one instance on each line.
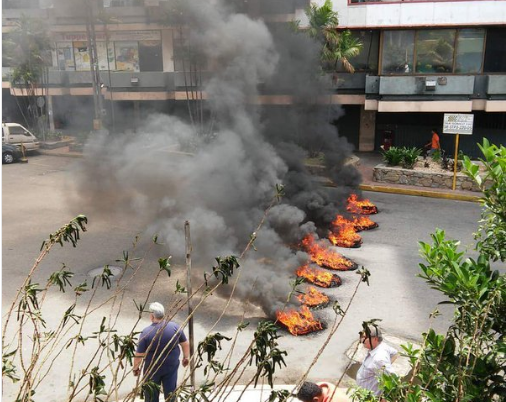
(344,234)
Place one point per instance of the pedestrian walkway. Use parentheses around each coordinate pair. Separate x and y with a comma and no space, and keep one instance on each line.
(365,163)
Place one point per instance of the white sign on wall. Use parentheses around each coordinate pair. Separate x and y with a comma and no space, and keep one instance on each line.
(458,123)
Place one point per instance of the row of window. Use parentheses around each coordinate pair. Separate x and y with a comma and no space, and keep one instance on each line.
(432,51)
(116,56)
(403,52)
(30,4)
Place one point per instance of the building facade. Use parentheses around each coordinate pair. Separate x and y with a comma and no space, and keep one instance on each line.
(141,55)
(420,59)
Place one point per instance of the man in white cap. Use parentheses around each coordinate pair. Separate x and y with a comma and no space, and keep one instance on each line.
(160,346)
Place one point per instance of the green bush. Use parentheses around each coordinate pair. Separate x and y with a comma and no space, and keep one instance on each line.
(468,362)
(404,156)
(393,156)
(436,156)
(410,156)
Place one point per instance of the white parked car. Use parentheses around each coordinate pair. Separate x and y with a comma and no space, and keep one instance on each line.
(16,134)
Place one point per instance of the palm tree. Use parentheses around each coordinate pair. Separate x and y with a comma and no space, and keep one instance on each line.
(321,20)
(337,47)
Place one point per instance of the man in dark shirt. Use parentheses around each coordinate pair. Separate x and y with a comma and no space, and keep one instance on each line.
(159,347)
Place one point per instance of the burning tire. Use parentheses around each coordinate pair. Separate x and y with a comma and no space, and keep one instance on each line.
(364,207)
(363,223)
(313,298)
(319,277)
(299,322)
(325,257)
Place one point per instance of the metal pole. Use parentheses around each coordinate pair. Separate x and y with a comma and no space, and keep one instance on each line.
(455,161)
(109,72)
(190,308)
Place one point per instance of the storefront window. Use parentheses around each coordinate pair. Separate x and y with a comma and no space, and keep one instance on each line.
(127,56)
(367,59)
(434,51)
(103,54)
(81,56)
(398,52)
(495,51)
(65,56)
(469,54)
(150,55)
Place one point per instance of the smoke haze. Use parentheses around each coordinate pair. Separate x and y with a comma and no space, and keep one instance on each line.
(224,188)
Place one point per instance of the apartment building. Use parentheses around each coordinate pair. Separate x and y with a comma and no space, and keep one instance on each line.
(421,59)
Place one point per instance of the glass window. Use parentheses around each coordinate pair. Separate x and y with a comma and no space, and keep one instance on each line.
(495,51)
(127,56)
(65,56)
(367,59)
(434,51)
(397,54)
(17,130)
(105,56)
(150,55)
(469,54)
(81,56)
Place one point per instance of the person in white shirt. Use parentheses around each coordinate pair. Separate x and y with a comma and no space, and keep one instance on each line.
(378,360)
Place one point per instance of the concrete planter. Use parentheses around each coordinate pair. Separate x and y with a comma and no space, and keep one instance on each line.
(55,144)
(419,178)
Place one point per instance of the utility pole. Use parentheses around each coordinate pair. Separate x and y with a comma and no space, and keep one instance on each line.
(94,67)
(190,307)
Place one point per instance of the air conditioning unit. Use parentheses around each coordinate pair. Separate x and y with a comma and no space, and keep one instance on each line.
(430,84)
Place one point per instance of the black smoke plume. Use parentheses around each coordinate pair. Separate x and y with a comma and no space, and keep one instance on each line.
(226,182)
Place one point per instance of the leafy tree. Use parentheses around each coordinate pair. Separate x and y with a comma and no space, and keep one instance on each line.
(28,51)
(337,47)
(468,363)
(492,182)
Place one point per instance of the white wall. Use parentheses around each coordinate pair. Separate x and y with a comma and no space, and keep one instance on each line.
(409,14)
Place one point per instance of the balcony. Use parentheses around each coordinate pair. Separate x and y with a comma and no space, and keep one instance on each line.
(444,86)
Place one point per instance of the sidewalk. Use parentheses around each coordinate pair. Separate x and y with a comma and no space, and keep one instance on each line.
(366,163)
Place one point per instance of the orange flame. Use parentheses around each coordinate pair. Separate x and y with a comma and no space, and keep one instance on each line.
(313,297)
(364,207)
(325,257)
(363,223)
(344,234)
(318,276)
(299,322)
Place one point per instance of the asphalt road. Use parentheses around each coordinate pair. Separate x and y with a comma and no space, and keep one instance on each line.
(35,203)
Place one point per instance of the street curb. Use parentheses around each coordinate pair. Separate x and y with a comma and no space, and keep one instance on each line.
(64,154)
(365,187)
(420,193)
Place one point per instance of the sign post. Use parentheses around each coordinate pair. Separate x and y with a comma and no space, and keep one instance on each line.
(457,124)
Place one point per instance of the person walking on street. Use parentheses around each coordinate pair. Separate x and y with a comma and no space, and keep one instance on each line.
(160,347)
(378,360)
(433,145)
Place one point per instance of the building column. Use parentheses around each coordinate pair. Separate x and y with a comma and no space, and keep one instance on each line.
(367,130)
(50,113)
(137,114)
